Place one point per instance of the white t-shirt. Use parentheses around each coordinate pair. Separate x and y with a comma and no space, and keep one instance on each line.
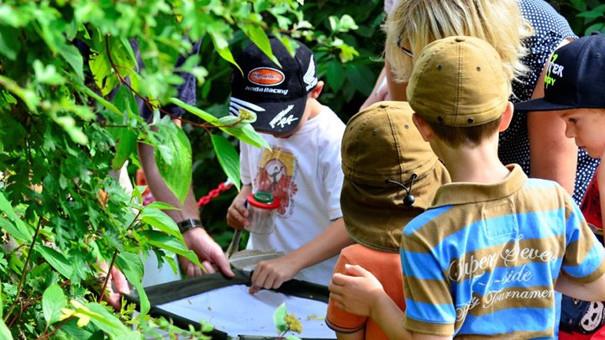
(304,172)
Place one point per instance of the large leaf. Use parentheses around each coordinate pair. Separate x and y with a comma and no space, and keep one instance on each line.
(222,48)
(127,145)
(227,158)
(53,300)
(160,221)
(56,260)
(132,267)
(74,59)
(19,229)
(244,132)
(170,243)
(260,39)
(173,158)
(5,333)
(108,322)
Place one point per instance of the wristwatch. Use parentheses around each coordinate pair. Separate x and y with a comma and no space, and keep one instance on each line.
(188,224)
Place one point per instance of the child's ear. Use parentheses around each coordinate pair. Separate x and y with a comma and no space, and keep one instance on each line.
(316,92)
(507,117)
(425,129)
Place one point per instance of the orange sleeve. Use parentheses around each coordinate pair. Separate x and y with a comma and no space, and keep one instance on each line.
(336,318)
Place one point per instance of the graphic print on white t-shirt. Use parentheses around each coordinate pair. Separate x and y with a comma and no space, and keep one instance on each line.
(276,171)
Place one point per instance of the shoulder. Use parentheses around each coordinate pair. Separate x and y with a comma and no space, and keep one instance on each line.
(545,20)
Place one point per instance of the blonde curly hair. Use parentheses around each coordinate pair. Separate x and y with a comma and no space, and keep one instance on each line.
(416,23)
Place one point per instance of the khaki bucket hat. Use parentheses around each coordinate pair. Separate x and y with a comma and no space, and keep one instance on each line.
(381,146)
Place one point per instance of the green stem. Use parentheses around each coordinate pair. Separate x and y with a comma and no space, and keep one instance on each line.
(24,273)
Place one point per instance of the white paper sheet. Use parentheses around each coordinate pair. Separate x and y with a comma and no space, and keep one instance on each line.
(236,312)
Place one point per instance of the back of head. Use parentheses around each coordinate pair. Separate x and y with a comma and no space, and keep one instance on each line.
(277,94)
(416,23)
(459,85)
(575,78)
(384,159)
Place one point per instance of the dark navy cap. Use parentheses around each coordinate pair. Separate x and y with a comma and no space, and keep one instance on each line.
(575,77)
(277,95)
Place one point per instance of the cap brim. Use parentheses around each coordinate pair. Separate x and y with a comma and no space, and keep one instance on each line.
(278,118)
(540,104)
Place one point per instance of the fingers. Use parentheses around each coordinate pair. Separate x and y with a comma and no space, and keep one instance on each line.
(237,215)
(223,264)
(210,269)
(355,270)
(119,281)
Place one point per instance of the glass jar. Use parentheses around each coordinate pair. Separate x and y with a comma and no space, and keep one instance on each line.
(261,207)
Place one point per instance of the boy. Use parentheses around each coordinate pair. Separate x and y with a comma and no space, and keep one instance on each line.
(390,176)
(485,259)
(574,89)
(302,168)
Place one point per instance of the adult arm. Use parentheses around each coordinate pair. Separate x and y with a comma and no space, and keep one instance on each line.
(379,93)
(272,273)
(196,239)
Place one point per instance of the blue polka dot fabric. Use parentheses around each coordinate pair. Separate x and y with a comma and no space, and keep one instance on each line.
(550,28)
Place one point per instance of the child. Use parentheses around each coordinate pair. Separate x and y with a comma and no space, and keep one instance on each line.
(302,168)
(486,258)
(575,89)
(390,176)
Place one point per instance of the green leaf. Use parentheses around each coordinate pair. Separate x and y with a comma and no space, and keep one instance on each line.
(9,44)
(56,260)
(243,132)
(228,158)
(173,158)
(279,318)
(170,243)
(18,229)
(5,333)
(335,75)
(73,57)
(53,300)
(108,322)
(160,221)
(222,48)
(103,73)
(161,205)
(260,39)
(127,145)
(132,267)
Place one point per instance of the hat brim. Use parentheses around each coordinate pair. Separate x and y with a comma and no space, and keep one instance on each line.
(279,118)
(375,216)
(540,104)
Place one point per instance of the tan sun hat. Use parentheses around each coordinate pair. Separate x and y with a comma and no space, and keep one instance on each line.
(381,144)
(459,81)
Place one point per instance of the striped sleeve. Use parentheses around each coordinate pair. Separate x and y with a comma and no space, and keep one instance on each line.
(429,305)
(584,259)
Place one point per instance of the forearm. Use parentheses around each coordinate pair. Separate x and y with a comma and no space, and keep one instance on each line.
(389,317)
(553,156)
(324,246)
(161,192)
(396,89)
(593,291)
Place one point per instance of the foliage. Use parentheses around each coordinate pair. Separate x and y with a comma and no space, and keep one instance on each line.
(74,76)
(584,16)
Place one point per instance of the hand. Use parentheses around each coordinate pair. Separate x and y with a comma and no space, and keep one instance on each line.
(271,274)
(116,286)
(356,291)
(209,252)
(237,214)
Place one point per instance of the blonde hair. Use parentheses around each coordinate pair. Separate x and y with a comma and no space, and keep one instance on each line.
(419,22)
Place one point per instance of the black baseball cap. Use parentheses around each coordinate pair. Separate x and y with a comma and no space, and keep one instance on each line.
(277,95)
(575,77)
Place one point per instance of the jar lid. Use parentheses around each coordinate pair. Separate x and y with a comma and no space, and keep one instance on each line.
(263,200)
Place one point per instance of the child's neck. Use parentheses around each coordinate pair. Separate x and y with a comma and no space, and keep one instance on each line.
(478,164)
(314,107)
